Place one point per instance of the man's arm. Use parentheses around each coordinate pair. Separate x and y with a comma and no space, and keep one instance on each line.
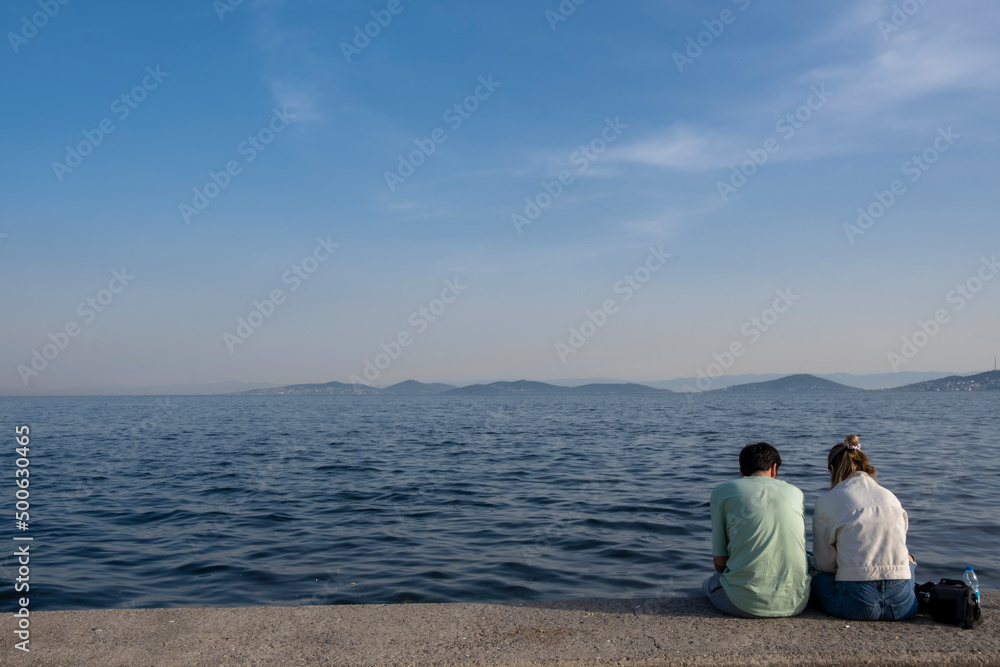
(720,540)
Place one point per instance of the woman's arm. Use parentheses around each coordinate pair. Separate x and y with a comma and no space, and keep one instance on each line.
(824,545)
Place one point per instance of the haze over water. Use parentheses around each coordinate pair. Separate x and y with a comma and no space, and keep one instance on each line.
(225,501)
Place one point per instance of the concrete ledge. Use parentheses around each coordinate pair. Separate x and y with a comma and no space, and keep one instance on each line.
(673,631)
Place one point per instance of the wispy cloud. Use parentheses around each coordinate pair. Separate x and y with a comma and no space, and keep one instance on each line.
(943,51)
(288,48)
(665,225)
(682,147)
(301,100)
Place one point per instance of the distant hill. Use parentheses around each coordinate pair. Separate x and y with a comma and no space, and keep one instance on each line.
(519,387)
(883,380)
(414,388)
(618,388)
(327,389)
(988,381)
(873,381)
(721,382)
(801,383)
(529,387)
(577,382)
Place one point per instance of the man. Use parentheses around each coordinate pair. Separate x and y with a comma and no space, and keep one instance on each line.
(758,541)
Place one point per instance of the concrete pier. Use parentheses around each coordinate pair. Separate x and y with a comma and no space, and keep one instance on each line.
(671,631)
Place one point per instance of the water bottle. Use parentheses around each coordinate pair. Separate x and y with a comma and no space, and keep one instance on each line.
(970,579)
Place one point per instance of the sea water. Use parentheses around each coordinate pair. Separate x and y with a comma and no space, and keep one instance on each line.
(292,500)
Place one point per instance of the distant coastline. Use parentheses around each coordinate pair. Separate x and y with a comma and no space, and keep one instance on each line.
(910,381)
(798,383)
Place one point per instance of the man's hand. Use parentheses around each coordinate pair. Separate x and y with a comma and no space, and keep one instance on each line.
(720,563)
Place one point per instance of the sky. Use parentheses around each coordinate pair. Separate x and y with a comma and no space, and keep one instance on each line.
(286,192)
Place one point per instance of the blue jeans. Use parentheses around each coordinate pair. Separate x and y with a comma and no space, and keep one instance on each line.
(713,590)
(886,600)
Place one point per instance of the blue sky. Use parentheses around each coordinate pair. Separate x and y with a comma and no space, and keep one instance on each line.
(872,90)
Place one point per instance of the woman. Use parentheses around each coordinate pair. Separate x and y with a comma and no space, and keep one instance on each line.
(861,568)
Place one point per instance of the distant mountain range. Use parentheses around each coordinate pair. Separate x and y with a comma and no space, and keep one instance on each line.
(414,388)
(876,381)
(326,389)
(800,383)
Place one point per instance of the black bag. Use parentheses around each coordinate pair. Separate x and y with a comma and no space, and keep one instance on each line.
(950,601)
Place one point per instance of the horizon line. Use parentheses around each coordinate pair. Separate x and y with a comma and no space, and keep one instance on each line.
(584,381)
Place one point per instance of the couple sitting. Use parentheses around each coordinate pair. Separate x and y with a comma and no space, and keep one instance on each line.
(860,569)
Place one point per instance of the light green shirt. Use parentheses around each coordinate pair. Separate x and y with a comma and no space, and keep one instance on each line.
(759,523)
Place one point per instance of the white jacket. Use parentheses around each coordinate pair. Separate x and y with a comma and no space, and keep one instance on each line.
(859,532)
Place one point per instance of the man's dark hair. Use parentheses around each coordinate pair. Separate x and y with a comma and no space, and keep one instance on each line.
(761,456)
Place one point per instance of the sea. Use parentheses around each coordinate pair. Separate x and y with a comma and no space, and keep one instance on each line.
(220,501)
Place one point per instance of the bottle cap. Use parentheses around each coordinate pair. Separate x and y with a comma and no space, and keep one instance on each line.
(968,567)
